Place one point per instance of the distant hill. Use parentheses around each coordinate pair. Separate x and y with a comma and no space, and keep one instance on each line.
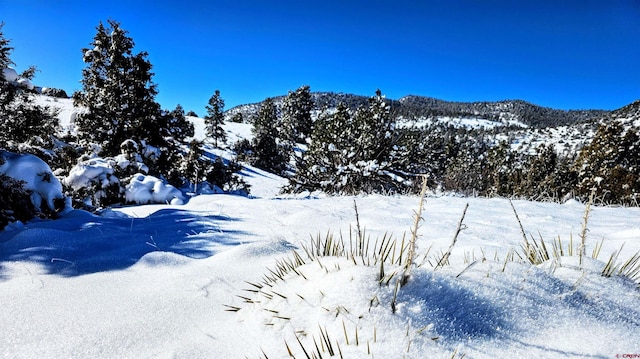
(420,107)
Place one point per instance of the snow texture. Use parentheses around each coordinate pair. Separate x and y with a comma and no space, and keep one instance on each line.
(94,171)
(143,189)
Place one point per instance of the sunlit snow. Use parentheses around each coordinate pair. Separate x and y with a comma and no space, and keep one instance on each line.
(190,280)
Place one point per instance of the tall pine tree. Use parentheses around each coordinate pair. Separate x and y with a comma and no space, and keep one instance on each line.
(296,115)
(118,93)
(215,119)
(268,155)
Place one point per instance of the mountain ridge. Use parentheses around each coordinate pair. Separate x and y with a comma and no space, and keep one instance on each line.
(416,107)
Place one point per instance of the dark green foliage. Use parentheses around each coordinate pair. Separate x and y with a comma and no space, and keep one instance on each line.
(224,176)
(467,168)
(193,166)
(610,165)
(296,115)
(547,175)
(237,117)
(118,92)
(215,119)
(179,129)
(243,150)
(267,153)
(15,202)
(350,152)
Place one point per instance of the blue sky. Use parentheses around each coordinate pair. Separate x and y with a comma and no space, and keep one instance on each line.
(561,54)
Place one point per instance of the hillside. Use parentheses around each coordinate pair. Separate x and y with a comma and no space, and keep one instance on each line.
(417,107)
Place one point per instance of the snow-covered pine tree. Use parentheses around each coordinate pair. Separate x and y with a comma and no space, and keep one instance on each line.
(215,119)
(295,124)
(267,153)
(21,120)
(375,127)
(177,125)
(350,153)
(118,93)
(610,165)
(467,170)
(326,156)
(296,115)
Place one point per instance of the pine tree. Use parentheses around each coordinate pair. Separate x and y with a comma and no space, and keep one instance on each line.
(21,120)
(610,165)
(331,143)
(296,115)
(177,125)
(375,127)
(215,119)
(118,92)
(350,152)
(268,154)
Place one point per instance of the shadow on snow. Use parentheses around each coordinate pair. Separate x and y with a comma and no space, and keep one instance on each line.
(82,243)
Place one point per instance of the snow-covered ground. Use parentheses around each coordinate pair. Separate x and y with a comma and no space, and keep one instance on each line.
(217,277)
(462,122)
(168,281)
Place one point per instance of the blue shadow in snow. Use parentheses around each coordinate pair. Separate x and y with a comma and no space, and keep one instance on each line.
(455,312)
(82,243)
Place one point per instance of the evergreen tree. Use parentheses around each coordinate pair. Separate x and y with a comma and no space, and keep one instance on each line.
(215,119)
(237,117)
(21,120)
(468,170)
(177,125)
(351,153)
(326,157)
(503,170)
(267,154)
(193,168)
(375,127)
(118,92)
(296,115)
(610,165)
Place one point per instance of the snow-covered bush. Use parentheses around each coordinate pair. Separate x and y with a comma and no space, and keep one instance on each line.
(148,189)
(25,176)
(93,183)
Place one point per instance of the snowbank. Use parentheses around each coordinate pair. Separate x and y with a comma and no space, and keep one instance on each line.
(144,189)
(46,188)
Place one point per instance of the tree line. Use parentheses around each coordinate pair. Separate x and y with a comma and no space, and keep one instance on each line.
(366,149)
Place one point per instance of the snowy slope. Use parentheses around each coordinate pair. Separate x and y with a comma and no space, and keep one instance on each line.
(213,279)
(159,281)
